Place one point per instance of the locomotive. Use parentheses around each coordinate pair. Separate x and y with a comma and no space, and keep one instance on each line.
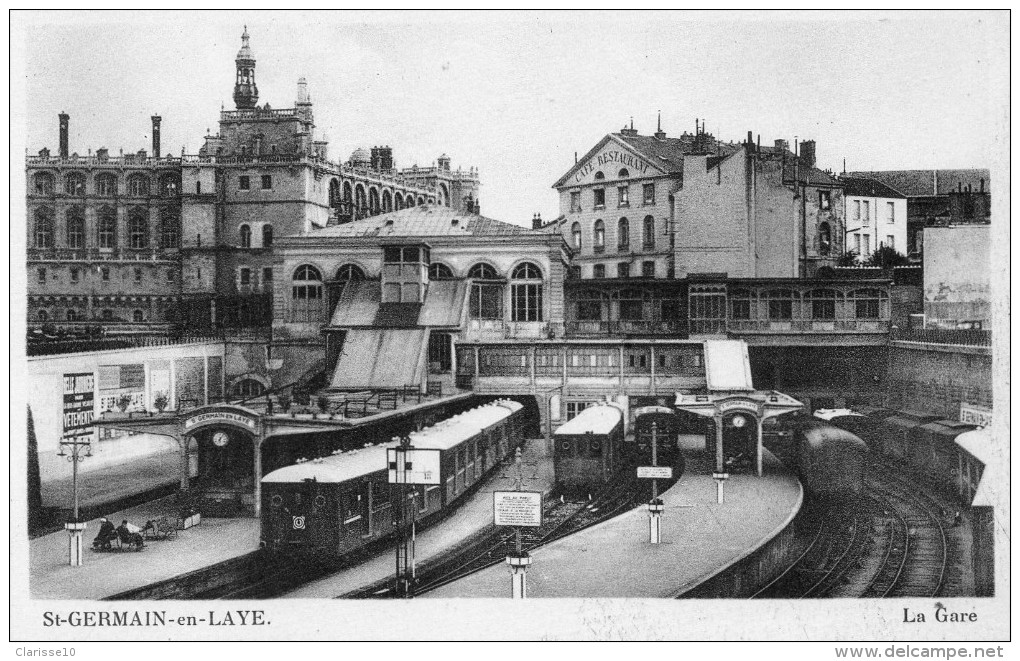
(335,505)
(589,448)
(829,460)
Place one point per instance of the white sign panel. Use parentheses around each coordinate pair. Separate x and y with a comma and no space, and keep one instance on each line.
(412,466)
(655,472)
(517,508)
(975,415)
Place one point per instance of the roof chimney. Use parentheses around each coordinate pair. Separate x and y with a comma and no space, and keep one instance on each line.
(807,153)
(156,120)
(536,221)
(64,119)
(659,133)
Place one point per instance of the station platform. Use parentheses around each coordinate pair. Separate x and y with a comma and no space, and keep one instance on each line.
(109,486)
(699,539)
(471,517)
(109,573)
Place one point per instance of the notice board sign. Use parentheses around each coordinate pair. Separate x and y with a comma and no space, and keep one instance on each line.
(79,404)
(517,508)
(412,466)
(655,472)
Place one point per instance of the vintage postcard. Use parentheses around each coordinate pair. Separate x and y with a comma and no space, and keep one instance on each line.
(371,326)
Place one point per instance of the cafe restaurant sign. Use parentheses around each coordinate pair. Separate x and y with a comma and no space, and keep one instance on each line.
(221,416)
(615,157)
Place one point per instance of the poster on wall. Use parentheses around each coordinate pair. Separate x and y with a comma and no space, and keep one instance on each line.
(79,404)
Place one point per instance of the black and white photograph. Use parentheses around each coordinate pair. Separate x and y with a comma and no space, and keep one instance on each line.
(481,326)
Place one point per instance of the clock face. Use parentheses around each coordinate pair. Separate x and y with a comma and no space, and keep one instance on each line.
(220,439)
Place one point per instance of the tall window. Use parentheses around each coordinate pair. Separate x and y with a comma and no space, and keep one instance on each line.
(74,184)
(575,201)
(857,210)
(486,297)
(623,196)
(107,227)
(306,294)
(75,228)
(824,239)
(439,271)
(267,182)
(598,271)
(623,270)
(867,246)
(244,277)
(169,185)
(648,196)
(600,235)
(867,212)
(648,233)
(600,198)
(575,232)
(824,200)
(267,278)
(740,304)
(138,228)
(43,227)
(526,293)
(823,304)
(106,184)
(170,227)
(623,235)
(40,275)
(890,212)
(245,233)
(43,183)
(138,185)
(890,241)
(648,269)
(780,304)
(267,236)
(244,182)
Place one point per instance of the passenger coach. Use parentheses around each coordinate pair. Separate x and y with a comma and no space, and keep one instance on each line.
(589,448)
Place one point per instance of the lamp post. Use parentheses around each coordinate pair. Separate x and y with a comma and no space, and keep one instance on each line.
(74,527)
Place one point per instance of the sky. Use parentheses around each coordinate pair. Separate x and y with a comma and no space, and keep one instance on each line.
(516,95)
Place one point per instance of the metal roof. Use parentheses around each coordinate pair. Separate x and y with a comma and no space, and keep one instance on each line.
(598,419)
(423,221)
(336,468)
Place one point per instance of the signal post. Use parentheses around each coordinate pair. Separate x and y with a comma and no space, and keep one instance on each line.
(655,505)
(519,509)
(409,465)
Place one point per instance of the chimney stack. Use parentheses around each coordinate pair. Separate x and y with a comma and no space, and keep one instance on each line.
(64,119)
(659,133)
(536,221)
(156,119)
(807,152)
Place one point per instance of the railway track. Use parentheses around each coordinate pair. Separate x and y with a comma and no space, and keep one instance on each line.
(562,518)
(893,542)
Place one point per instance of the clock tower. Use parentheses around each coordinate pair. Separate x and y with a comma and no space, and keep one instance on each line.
(246,94)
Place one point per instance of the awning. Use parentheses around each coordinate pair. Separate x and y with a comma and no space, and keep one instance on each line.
(727,366)
(381,358)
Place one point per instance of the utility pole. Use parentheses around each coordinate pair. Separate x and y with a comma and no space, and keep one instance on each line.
(75,527)
(655,506)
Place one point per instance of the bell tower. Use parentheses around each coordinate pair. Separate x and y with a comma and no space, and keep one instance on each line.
(246,94)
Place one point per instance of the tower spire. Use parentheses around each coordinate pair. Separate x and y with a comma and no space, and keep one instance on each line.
(246,94)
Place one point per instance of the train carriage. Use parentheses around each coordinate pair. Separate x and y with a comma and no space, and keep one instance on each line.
(589,448)
(337,504)
(830,461)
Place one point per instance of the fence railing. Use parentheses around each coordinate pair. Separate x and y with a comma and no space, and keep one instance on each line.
(960,337)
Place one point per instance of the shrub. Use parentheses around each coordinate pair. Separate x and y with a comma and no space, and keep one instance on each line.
(161,401)
(848,259)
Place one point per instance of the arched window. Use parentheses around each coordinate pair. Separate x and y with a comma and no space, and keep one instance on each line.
(623,173)
(245,233)
(334,193)
(138,185)
(74,184)
(170,227)
(138,228)
(349,272)
(106,184)
(42,315)
(600,235)
(599,176)
(648,233)
(43,183)
(824,239)
(107,227)
(439,271)
(359,198)
(169,185)
(526,297)
(482,271)
(75,218)
(137,316)
(248,388)
(421,200)
(623,235)
(373,201)
(267,236)
(870,304)
(348,192)
(823,304)
(43,229)
(387,201)
(398,201)
(306,294)
(575,232)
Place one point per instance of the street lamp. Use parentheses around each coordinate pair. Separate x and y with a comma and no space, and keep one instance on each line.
(74,527)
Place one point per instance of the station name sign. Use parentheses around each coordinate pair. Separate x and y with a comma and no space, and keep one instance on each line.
(738,405)
(517,508)
(615,156)
(220,416)
(975,415)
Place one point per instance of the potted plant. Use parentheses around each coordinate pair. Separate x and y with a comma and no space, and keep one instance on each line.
(123,402)
(161,401)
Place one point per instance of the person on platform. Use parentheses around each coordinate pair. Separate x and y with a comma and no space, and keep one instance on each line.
(107,533)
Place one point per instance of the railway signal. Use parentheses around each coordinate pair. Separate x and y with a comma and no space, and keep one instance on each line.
(655,505)
(408,465)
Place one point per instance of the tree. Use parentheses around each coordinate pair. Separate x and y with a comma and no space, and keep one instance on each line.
(161,401)
(848,259)
(886,257)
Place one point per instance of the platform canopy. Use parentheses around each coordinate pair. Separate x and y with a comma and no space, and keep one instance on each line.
(762,404)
